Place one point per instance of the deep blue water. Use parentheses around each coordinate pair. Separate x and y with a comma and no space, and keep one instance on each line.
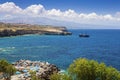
(103,46)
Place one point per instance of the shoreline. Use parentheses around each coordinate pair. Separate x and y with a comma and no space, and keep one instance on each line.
(9,29)
(43,69)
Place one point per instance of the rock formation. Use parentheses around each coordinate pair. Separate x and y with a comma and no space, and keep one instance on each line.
(7,29)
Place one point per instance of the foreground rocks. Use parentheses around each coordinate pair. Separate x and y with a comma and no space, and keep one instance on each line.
(7,29)
(43,70)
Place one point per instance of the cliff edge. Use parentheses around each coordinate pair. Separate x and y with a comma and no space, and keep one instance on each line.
(10,29)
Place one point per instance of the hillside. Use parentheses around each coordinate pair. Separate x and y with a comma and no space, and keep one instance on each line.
(10,29)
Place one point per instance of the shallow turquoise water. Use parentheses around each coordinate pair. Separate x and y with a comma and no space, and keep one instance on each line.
(103,46)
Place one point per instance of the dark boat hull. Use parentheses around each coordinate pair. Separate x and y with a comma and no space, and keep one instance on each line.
(84,35)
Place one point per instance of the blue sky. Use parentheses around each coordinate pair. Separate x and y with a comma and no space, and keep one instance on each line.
(62,12)
(98,6)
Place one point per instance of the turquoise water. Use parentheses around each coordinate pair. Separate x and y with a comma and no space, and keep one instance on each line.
(103,46)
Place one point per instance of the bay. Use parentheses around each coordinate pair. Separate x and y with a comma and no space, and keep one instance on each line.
(102,45)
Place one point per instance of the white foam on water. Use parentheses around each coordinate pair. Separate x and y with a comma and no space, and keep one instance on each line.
(37,47)
(7,50)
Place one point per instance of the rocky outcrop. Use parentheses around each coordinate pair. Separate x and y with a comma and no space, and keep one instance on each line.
(49,70)
(43,70)
(22,29)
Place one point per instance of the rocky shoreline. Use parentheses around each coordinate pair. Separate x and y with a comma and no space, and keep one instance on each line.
(43,70)
(9,29)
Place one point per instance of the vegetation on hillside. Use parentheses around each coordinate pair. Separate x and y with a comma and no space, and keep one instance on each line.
(6,69)
(33,76)
(84,69)
(15,27)
(80,69)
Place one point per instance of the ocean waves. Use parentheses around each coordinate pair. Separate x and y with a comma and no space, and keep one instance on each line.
(7,50)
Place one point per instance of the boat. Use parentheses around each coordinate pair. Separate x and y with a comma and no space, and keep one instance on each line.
(84,35)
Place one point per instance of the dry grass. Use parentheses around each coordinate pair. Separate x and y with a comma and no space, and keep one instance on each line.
(15,27)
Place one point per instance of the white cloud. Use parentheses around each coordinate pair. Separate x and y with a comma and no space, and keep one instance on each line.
(9,10)
(70,13)
(35,10)
(54,12)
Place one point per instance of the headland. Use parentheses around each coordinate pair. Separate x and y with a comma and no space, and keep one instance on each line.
(13,29)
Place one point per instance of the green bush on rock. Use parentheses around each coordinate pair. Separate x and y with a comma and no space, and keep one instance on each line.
(33,76)
(6,69)
(60,77)
(84,69)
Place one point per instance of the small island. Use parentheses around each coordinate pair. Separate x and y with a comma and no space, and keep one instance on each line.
(12,29)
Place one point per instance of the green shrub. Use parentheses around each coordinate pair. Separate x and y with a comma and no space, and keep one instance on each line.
(33,76)
(84,69)
(57,76)
(7,69)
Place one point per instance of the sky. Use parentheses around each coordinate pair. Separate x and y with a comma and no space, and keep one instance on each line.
(62,12)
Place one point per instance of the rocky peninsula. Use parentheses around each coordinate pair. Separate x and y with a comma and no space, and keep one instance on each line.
(12,29)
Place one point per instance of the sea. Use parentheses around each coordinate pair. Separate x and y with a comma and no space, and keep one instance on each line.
(102,46)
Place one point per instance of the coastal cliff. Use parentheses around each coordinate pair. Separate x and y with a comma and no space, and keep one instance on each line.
(10,29)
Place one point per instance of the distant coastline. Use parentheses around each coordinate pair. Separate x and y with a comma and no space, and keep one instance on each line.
(10,29)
